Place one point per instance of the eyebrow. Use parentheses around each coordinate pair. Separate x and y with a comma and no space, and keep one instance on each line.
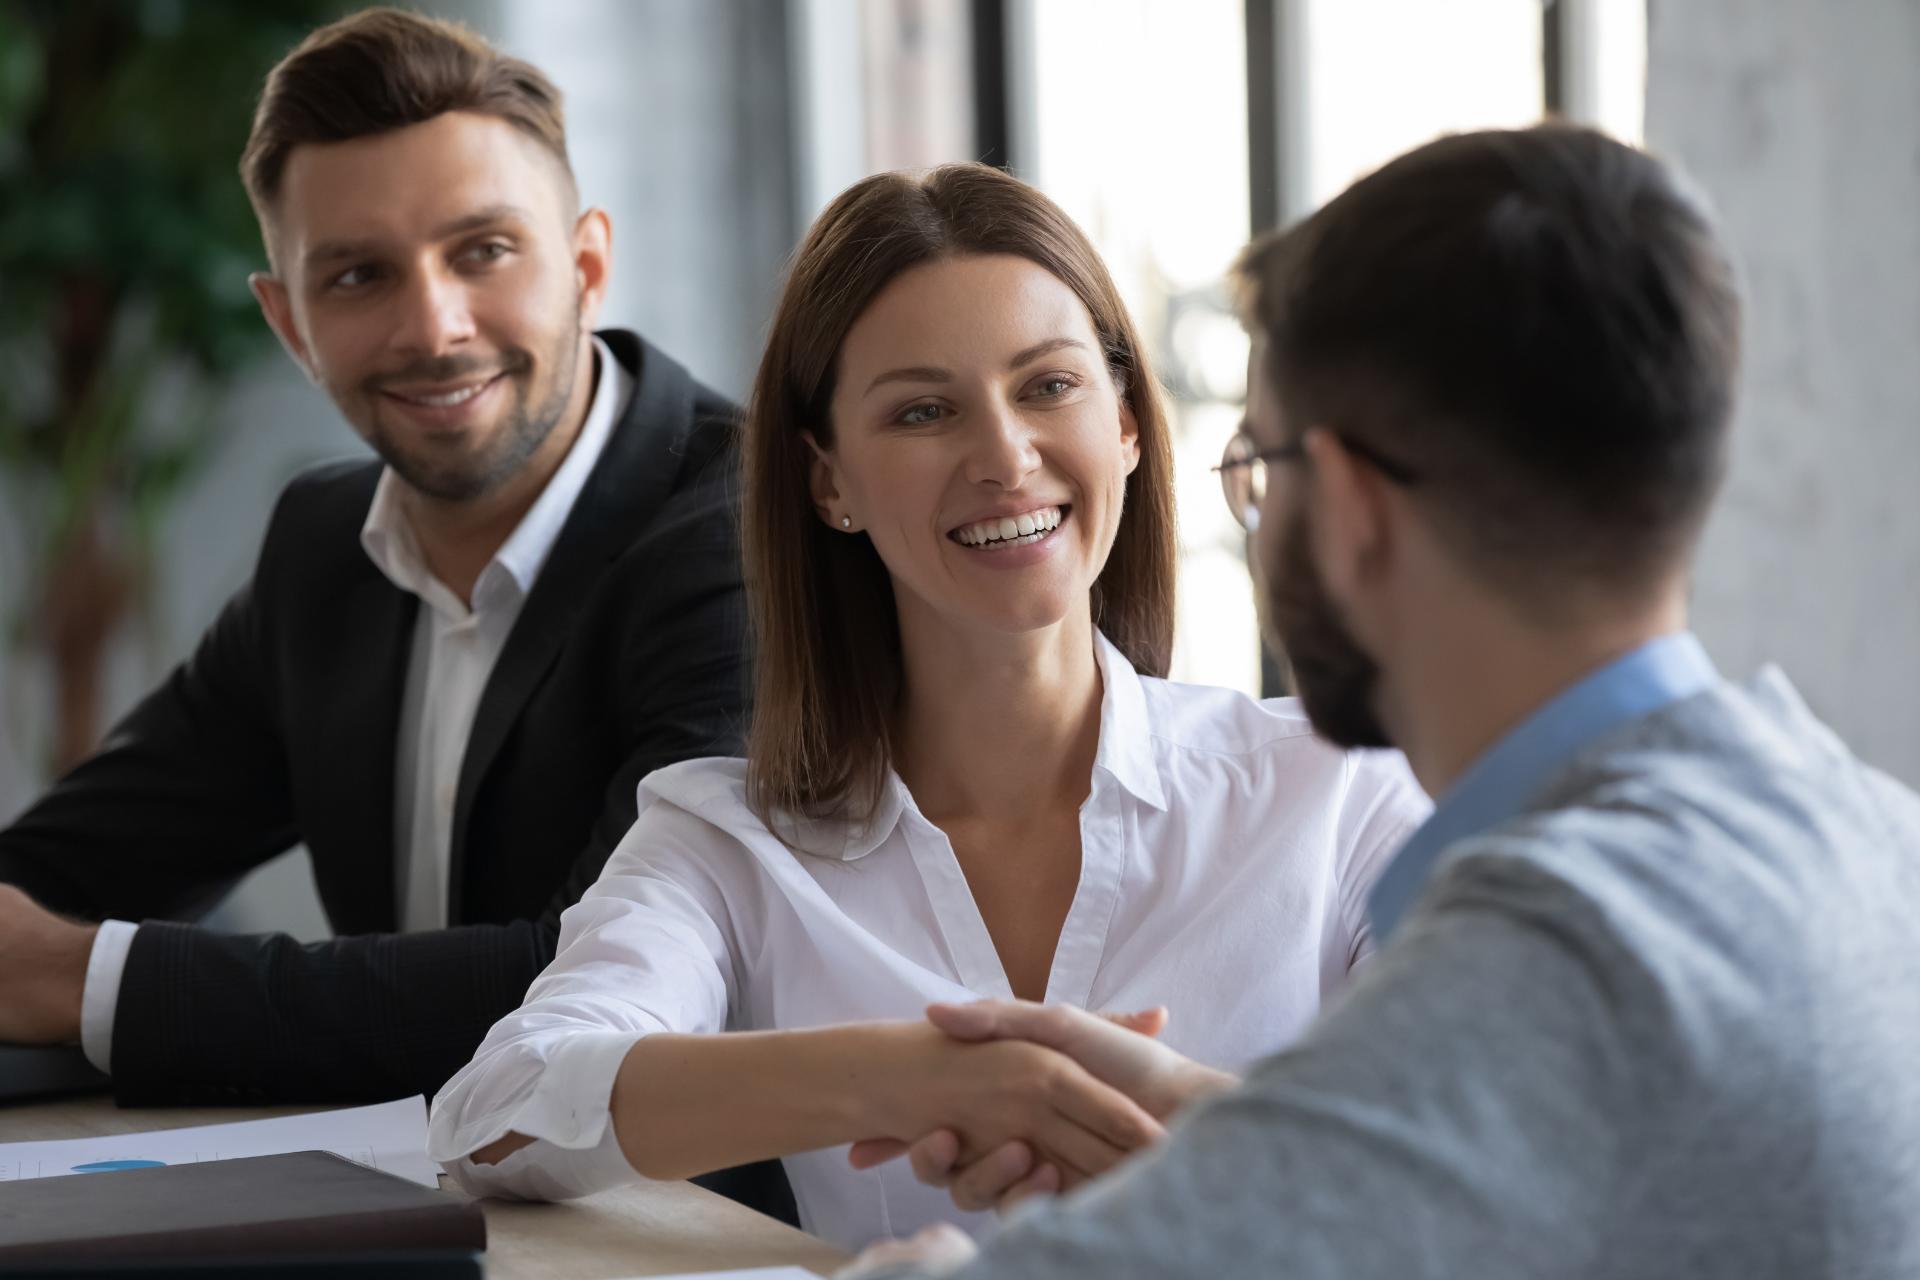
(492,215)
(928,373)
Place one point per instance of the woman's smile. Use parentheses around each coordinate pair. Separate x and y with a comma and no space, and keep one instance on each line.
(1013,541)
(998,533)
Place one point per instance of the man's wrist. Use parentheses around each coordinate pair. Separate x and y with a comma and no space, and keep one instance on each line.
(1199,1082)
(100,1003)
(67,976)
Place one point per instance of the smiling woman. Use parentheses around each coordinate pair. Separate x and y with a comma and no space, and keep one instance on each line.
(965,776)
(970,261)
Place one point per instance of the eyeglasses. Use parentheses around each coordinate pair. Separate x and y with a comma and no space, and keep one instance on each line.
(1243,470)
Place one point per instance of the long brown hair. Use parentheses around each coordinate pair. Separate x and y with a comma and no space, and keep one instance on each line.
(823,610)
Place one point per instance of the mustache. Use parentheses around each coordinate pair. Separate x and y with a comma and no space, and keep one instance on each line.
(450,369)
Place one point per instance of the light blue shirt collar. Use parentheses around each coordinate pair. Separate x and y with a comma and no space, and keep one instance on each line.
(1502,781)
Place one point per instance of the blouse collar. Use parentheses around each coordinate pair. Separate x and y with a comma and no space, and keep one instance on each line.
(1124,753)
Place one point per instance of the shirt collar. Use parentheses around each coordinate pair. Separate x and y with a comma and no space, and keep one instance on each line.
(1501,782)
(1126,729)
(1125,752)
(388,538)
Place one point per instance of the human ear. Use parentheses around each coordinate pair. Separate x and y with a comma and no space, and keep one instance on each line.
(1347,508)
(824,483)
(592,263)
(277,307)
(1129,435)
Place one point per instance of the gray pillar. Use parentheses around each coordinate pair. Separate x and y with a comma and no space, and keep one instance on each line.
(1801,119)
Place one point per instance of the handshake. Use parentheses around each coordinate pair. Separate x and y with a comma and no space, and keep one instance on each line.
(1022,1099)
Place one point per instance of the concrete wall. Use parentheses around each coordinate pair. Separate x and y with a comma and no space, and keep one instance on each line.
(678,121)
(1801,119)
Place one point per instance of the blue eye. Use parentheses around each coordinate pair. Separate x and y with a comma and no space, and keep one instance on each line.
(919,415)
(490,251)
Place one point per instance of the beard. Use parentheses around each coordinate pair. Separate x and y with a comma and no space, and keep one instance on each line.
(1334,677)
(524,427)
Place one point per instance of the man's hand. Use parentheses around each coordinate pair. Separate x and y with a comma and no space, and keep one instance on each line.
(1118,1050)
(939,1250)
(43,971)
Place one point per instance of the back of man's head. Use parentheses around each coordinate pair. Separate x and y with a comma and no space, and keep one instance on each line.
(1541,325)
(385,69)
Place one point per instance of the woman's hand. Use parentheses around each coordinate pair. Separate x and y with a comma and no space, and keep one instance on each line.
(500,1148)
(686,1104)
(996,1092)
(1123,1051)
(683,1105)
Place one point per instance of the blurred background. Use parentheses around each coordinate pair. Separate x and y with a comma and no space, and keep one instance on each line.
(147,420)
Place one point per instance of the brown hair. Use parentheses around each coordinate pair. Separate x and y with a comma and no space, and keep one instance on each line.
(384,69)
(1541,324)
(829,645)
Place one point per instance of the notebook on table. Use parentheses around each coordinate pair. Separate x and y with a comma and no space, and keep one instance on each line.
(357,1266)
(309,1204)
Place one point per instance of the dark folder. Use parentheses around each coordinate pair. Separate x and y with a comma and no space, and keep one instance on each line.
(421,1265)
(307,1204)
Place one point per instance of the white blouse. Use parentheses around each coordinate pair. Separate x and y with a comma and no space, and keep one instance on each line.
(1226,855)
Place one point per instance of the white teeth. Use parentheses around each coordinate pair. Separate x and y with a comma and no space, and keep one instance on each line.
(1029,526)
(452,397)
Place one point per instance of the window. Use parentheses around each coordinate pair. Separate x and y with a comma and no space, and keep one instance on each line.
(1135,115)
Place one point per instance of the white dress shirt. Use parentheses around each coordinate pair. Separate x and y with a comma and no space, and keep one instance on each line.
(454,649)
(1226,857)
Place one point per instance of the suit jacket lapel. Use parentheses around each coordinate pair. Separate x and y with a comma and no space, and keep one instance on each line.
(362,704)
(633,477)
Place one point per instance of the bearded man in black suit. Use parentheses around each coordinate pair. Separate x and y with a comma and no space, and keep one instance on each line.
(451,666)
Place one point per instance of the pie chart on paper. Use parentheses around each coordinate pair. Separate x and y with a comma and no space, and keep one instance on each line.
(110,1166)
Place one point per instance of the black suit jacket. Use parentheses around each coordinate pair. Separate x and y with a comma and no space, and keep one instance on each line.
(630,654)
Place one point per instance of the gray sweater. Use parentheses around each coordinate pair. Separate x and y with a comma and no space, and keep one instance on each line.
(1666,1023)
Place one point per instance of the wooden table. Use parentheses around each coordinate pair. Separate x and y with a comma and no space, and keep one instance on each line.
(654,1228)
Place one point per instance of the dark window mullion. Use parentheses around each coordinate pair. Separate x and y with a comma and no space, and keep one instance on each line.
(992,112)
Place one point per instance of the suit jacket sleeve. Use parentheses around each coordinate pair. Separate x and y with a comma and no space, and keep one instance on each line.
(208,1017)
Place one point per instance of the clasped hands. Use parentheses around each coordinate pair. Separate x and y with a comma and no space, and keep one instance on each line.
(1108,1086)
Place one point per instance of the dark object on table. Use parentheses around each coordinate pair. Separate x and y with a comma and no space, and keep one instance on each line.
(307,1204)
(36,1071)
(357,1266)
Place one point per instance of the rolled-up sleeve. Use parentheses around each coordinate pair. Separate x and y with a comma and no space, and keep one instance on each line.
(648,949)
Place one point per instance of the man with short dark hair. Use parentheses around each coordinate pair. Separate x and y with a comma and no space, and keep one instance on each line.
(451,667)
(1647,1001)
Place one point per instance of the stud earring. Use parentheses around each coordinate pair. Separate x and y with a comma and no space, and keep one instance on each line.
(846,522)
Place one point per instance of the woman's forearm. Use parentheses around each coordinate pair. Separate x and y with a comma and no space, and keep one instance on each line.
(688,1104)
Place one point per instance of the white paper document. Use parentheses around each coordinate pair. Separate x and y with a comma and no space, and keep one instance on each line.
(391,1137)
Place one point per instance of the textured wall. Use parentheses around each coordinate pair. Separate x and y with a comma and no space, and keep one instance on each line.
(1801,119)
(678,123)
